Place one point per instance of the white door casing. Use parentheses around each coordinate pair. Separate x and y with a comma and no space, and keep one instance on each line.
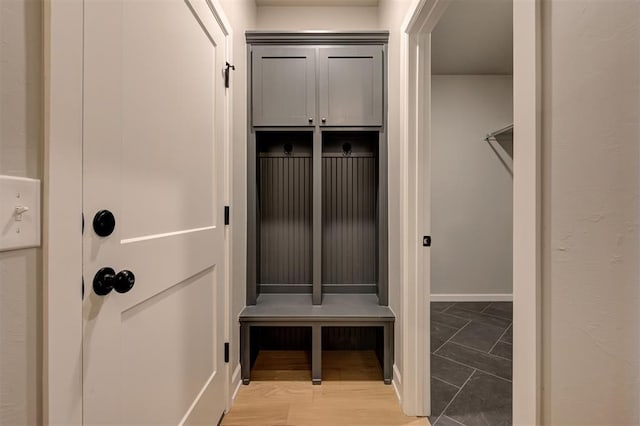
(154,144)
(421,19)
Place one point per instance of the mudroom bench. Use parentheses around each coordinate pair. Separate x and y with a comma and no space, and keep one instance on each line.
(297,310)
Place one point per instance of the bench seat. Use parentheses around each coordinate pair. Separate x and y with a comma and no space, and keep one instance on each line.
(337,310)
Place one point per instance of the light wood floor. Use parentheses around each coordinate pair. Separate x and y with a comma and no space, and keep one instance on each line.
(352,393)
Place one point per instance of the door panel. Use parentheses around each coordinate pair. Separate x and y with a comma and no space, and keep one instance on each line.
(165,122)
(154,144)
(283,86)
(351,86)
(174,316)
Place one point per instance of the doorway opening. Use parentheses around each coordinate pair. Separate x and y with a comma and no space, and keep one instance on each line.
(471,179)
(421,91)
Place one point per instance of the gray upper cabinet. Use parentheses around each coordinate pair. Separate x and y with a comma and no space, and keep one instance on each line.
(351,85)
(283,85)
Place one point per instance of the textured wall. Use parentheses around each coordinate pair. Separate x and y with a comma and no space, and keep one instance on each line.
(471,186)
(20,155)
(591,191)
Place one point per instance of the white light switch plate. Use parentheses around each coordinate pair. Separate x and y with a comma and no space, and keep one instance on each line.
(19,230)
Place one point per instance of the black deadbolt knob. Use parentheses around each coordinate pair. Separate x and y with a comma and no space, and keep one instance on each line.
(106,280)
(104,223)
(124,281)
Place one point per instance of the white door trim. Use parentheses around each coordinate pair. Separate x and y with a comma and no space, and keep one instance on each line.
(62,208)
(527,230)
(62,237)
(415,97)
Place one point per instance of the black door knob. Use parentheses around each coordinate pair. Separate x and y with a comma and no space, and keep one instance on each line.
(106,280)
(104,223)
(124,281)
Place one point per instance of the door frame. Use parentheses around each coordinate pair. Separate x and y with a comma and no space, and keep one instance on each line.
(416,103)
(62,208)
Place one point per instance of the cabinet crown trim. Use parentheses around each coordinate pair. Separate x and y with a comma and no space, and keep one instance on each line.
(317,37)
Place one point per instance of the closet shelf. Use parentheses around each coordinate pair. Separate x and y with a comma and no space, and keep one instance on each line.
(504,130)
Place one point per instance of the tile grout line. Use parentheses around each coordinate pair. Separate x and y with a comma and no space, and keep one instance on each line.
(478,313)
(454,397)
(500,338)
(493,315)
(444,308)
(482,352)
(474,368)
(449,339)
(453,420)
(510,319)
(444,381)
(449,326)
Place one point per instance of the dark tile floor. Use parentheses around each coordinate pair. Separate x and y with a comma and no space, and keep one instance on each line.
(471,363)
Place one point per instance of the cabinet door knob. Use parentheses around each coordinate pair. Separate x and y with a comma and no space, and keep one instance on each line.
(324,120)
(310,119)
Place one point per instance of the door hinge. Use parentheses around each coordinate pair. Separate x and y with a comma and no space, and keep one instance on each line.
(227,214)
(226,352)
(426,241)
(228,66)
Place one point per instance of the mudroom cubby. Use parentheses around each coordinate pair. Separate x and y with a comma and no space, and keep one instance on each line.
(284,224)
(349,211)
(317,198)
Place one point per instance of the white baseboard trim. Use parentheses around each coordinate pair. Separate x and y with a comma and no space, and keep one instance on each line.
(397,383)
(470,297)
(235,383)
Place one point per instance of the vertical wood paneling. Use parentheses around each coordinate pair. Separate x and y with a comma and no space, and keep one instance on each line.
(349,219)
(285,239)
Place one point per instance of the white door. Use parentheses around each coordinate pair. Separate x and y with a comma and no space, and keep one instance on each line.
(154,145)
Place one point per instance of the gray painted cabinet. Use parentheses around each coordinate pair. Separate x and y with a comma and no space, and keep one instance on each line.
(283,85)
(347,79)
(350,85)
(317,229)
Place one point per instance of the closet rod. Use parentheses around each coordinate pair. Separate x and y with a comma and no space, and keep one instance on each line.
(499,132)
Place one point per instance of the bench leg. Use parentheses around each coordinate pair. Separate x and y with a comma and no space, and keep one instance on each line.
(388,353)
(316,354)
(245,353)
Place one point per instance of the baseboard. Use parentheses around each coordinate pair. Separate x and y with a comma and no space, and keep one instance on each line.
(235,383)
(470,297)
(397,383)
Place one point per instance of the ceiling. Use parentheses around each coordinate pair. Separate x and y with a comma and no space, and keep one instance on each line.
(317,2)
(474,37)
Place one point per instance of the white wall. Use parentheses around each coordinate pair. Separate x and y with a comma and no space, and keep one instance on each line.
(391,13)
(471,187)
(20,155)
(591,212)
(242,15)
(292,18)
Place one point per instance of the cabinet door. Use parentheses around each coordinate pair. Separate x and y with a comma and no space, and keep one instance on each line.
(283,86)
(351,86)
